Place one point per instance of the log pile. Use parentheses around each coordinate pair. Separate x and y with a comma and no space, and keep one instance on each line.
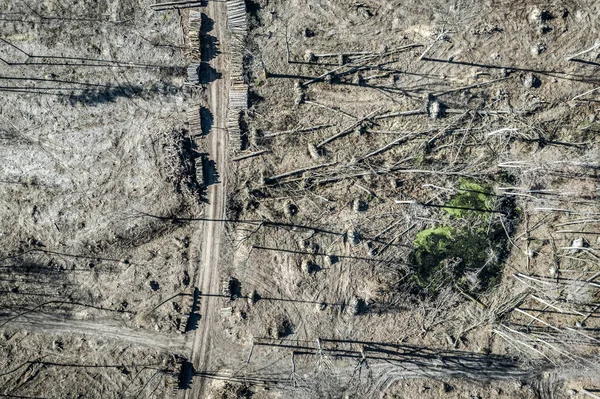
(192,73)
(199,166)
(238,96)
(238,92)
(236,17)
(234,130)
(187,308)
(194,122)
(237,58)
(193,70)
(194,21)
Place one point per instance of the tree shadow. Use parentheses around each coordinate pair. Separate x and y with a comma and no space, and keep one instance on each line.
(245,136)
(207,74)
(185,375)
(245,379)
(207,24)
(17,56)
(193,321)
(194,317)
(429,361)
(252,7)
(337,257)
(585,62)
(552,73)
(209,48)
(211,174)
(275,224)
(103,96)
(206,120)
(257,297)
(254,98)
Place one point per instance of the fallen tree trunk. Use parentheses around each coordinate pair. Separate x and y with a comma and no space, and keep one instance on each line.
(273,179)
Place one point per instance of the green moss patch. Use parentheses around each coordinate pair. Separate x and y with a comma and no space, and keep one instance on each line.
(472,199)
(468,251)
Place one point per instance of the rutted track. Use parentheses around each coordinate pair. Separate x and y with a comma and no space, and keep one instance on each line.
(106,329)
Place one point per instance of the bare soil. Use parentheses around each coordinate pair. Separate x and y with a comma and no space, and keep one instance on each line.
(295,254)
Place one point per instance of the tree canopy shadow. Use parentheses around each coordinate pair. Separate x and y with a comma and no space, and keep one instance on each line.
(206,120)
(207,24)
(106,95)
(207,74)
(209,47)
(211,174)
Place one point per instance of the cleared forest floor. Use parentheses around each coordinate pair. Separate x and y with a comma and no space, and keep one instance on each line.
(411,209)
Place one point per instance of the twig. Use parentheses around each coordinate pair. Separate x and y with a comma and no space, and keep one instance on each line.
(586,93)
(304,130)
(470,297)
(349,129)
(578,222)
(506,129)
(392,144)
(588,393)
(521,342)
(565,211)
(532,279)
(438,37)
(402,113)
(470,87)
(538,319)
(273,179)
(329,108)
(251,155)
(595,46)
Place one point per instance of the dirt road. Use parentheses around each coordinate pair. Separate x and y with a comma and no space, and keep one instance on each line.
(207,275)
